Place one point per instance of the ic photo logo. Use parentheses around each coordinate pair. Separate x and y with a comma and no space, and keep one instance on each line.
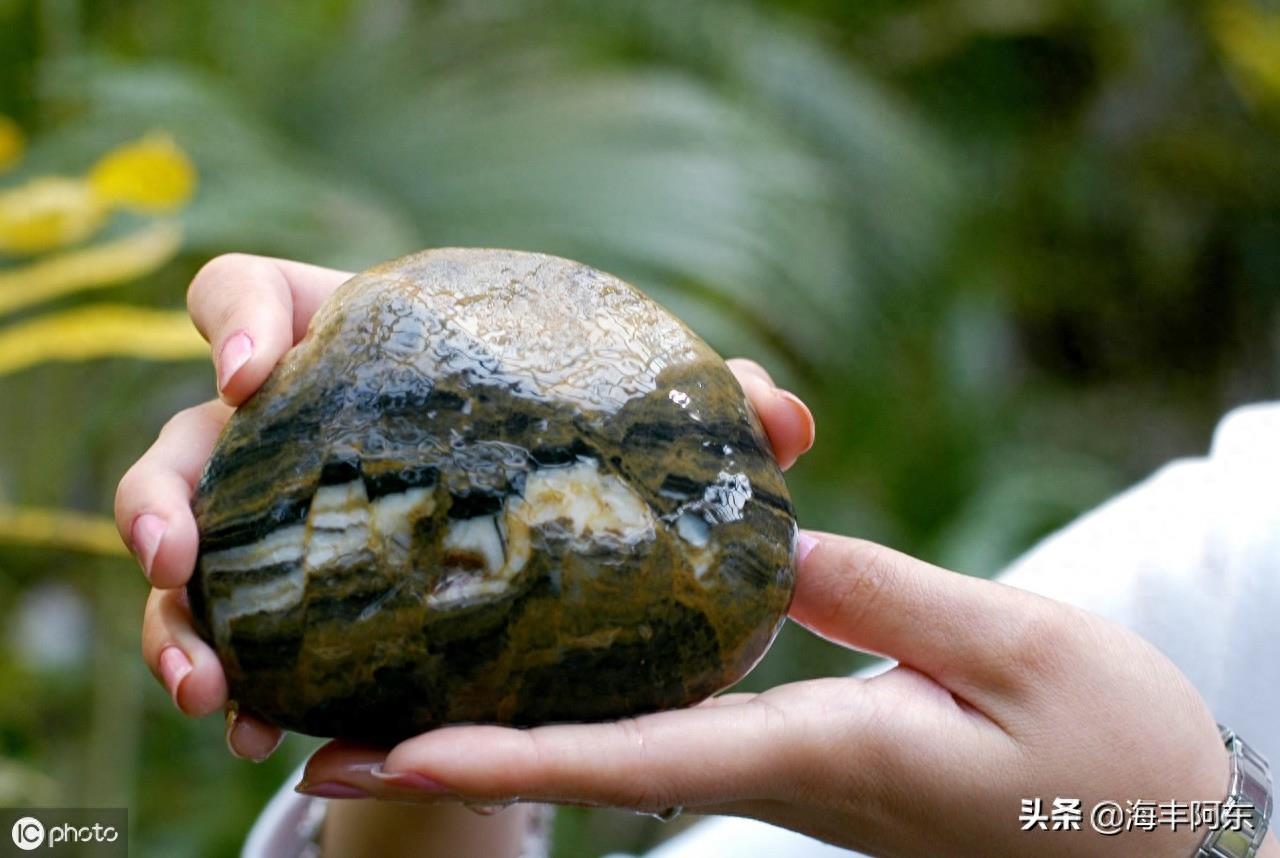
(28,833)
(87,832)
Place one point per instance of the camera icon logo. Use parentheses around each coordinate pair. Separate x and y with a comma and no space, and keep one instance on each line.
(28,833)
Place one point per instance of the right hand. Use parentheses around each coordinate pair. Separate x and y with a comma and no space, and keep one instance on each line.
(252,310)
(999,697)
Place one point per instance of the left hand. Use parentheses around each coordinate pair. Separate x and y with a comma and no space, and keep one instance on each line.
(252,310)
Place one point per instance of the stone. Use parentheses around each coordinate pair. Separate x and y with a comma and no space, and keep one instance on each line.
(489,486)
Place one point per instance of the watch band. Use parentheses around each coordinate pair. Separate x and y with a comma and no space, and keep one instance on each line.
(1250,785)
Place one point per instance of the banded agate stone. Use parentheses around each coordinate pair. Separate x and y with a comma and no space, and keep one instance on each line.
(489,486)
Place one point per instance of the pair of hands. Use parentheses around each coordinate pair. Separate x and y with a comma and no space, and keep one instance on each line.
(998,695)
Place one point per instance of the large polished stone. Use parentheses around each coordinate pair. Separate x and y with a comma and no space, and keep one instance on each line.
(489,486)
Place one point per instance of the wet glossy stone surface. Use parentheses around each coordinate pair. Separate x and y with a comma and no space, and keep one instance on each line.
(489,486)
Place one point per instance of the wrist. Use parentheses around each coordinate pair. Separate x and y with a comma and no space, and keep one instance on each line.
(1246,810)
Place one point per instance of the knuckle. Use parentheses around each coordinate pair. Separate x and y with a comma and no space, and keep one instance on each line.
(216,270)
(641,787)
(750,366)
(181,420)
(128,495)
(243,273)
(537,751)
(539,765)
(790,746)
(152,627)
(775,724)
(132,489)
(633,734)
(175,423)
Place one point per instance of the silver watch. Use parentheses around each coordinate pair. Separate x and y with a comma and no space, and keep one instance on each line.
(1250,786)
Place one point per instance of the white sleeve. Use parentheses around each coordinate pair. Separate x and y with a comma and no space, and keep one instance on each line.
(1189,559)
(288,826)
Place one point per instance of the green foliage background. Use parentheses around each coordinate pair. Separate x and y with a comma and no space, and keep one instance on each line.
(1015,255)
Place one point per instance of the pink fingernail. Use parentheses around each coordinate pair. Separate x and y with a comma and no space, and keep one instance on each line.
(236,351)
(146,534)
(245,738)
(330,789)
(409,780)
(174,667)
(804,545)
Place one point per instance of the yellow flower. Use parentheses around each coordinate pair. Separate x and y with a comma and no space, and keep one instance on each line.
(48,212)
(148,175)
(12,143)
(152,174)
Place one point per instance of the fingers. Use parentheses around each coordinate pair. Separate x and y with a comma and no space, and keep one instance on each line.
(787,421)
(249,737)
(179,659)
(706,755)
(190,672)
(342,769)
(252,309)
(152,507)
(979,639)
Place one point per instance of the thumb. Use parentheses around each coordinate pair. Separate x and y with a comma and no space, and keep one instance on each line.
(978,638)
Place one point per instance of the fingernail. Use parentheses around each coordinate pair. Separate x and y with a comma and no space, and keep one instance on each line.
(804,544)
(488,808)
(241,735)
(174,667)
(803,413)
(147,532)
(409,780)
(330,789)
(236,351)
